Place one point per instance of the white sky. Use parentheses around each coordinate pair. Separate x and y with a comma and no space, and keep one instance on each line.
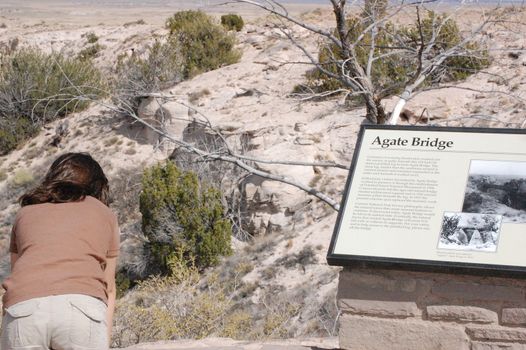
(484,167)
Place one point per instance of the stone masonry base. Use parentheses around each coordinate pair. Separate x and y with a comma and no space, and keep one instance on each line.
(406,310)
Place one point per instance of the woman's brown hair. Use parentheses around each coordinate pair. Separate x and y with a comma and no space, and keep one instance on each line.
(71,177)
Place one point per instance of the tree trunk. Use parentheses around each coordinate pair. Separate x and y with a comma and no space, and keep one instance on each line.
(375,111)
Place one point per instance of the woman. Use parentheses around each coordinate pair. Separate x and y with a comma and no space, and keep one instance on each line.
(64,247)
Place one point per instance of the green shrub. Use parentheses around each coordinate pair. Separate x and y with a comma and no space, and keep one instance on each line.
(391,71)
(13,131)
(203,44)
(387,74)
(456,67)
(90,52)
(122,284)
(232,22)
(181,215)
(37,87)
(195,45)
(91,37)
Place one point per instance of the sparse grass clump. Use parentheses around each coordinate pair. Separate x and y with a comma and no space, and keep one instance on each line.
(232,22)
(197,95)
(181,214)
(22,178)
(36,88)
(204,44)
(174,306)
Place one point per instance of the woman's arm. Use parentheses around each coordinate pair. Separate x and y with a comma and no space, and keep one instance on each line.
(14,257)
(109,274)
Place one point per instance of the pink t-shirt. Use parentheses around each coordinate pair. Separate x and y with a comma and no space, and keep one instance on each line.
(62,249)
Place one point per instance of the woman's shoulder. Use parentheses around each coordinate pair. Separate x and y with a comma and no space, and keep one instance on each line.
(101,206)
(90,200)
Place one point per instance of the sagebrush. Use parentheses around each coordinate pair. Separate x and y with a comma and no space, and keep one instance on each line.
(232,21)
(204,44)
(38,87)
(196,44)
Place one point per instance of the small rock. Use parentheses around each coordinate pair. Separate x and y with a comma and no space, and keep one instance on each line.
(514,55)
(303,141)
(300,127)
(255,41)
(230,126)
(250,28)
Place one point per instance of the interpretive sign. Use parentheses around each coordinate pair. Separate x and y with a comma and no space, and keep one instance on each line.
(439,197)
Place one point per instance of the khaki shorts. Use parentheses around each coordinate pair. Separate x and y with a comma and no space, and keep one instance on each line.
(59,322)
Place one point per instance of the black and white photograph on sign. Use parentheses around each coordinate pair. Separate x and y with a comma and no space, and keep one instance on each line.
(467,231)
(497,187)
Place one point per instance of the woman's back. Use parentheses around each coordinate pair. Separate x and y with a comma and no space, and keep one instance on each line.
(61,249)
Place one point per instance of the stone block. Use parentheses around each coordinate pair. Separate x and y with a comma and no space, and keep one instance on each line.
(497,346)
(461,314)
(367,333)
(390,309)
(514,316)
(381,286)
(467,291)
(496,333)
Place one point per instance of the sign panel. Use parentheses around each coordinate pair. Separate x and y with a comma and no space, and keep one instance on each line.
(440,197)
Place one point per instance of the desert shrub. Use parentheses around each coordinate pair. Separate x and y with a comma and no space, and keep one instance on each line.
(37,87)
(90,52)
(232,22)
(196,44)
(175,307)
(122,284)
(456,67)
(22,178)
(91,37)
(204,44)
(13,131)
(138,75)
(181,214)
(386,73)
(306,256)
(391,71)
(237,325)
